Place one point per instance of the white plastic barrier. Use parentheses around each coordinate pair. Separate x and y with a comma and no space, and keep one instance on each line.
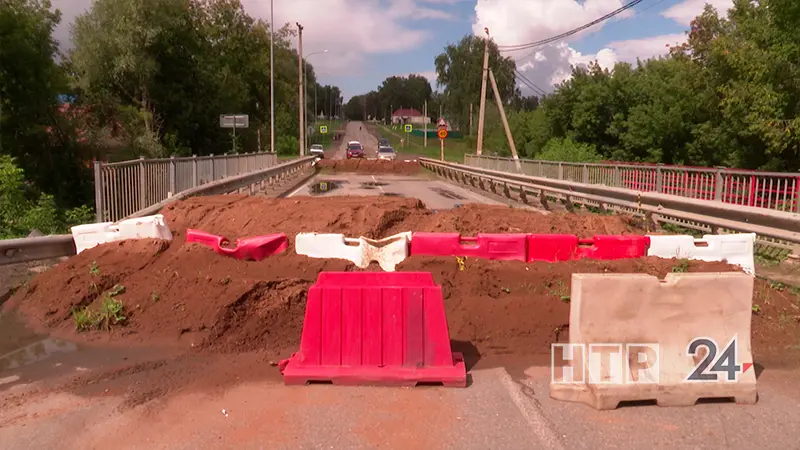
(93,234)
(388,252)
(733,248)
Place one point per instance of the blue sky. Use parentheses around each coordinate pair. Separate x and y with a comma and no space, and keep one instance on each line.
(369,40)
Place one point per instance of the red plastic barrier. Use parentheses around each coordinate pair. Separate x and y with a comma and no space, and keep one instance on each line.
(254,248)
(567,247)
(505,247)
(385,328)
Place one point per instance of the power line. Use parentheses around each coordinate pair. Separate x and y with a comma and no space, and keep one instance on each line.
(530,84)
(518,47)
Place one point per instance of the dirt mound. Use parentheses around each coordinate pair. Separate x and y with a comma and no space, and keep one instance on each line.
(190,296)
(474,218)
(370,166)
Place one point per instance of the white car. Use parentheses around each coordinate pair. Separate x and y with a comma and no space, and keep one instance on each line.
(386,153)
(317,150)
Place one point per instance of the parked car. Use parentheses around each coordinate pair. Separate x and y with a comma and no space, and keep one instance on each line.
(386,153)
(355,150)
(317,150)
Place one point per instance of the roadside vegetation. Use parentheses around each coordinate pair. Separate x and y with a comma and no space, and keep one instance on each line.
(111,98)
(727,97)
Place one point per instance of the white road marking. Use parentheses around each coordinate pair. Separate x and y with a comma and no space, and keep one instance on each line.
(294,192)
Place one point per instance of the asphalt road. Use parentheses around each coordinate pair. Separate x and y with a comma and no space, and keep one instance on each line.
(355,131)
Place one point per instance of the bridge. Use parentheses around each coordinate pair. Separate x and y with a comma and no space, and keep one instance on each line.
(223,385)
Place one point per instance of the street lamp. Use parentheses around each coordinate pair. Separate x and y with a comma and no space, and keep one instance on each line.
(305,81)
(271,79)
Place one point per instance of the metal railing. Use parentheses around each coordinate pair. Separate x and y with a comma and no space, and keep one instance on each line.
(772,190)
(780,226)
(14,251)
(122,188)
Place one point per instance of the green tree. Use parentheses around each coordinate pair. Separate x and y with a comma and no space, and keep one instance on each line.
(459,70)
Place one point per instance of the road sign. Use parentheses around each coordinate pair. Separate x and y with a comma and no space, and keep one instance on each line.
(408,128)
(234,120)
(441,124)
(442,133)
(323,129)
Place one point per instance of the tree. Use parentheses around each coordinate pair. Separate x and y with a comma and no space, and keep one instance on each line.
(32,128)
(459,69)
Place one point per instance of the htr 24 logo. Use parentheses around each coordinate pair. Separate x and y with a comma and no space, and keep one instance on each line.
(640,363)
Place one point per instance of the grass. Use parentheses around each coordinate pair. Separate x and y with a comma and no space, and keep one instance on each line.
(454,149)
(111,312)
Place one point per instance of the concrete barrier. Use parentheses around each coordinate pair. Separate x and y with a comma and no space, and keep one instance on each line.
(634,338)
(733,248)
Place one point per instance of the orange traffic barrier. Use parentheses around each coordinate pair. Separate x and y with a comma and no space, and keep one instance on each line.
(386,328)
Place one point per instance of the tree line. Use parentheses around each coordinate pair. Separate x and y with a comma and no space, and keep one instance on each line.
(727,97)
(145,78)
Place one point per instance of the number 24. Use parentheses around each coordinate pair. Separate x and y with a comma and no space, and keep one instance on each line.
(726,363)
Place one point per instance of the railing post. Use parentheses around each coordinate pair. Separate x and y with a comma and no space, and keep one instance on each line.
(541,169)
(617,177)
(560,171)
(172,182)
(142,184)
(718,185)
(213,163)
(585,174)
(194,171)
(98,192)
(659,179)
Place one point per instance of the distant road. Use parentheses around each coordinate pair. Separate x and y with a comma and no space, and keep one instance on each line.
(355,131)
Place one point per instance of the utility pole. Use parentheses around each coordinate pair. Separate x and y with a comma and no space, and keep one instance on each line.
(425,123)
(470,119)
(271,78)
(300,83)
(482,107)
(505,121)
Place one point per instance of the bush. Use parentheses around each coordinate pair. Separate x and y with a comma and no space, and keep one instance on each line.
(23,210)
(568,150)
(287,145)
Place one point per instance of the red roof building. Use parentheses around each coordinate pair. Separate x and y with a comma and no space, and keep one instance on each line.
(408,115)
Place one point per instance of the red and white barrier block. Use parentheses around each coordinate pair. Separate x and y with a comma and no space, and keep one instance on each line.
(93,234)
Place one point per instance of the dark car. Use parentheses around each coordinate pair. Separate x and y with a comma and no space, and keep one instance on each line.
(355,150)
(383,142)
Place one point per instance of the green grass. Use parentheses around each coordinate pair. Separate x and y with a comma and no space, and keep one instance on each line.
(454,149)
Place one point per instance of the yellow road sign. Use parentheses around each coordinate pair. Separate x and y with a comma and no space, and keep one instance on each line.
(323,129)
(408,128)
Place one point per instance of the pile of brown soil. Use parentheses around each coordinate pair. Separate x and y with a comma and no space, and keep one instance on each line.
(370,166)
(186,294)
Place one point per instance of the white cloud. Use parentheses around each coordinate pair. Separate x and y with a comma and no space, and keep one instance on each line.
(686,11)
(513,22)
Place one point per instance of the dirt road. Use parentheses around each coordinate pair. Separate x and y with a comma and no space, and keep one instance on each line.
(356,131)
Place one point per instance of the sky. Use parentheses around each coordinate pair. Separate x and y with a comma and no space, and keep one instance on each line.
(370,40)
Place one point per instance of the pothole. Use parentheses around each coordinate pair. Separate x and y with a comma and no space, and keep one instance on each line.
(321,187)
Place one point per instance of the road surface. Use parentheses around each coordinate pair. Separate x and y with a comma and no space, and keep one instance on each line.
(355,131)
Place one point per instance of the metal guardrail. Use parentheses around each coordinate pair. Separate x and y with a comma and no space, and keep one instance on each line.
(779,225)
(771,190)
(122,188)
(14,251)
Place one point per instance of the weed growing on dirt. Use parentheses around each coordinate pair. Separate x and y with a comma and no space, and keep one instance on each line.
(154,297)
(681,267)
(93,269)
(111,312)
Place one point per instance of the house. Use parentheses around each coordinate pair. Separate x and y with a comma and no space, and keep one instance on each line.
(412,116)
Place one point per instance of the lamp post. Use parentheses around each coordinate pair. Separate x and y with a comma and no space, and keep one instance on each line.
(271,78)
(305,81)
